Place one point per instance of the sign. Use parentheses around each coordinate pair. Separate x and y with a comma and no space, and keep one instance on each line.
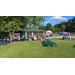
(17,36)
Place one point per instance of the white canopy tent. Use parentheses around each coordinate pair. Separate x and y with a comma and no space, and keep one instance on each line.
(48,31)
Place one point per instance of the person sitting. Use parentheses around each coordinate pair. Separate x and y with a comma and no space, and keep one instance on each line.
(37,36)
(27,38)
(32,38)
(43,37)
(67,37)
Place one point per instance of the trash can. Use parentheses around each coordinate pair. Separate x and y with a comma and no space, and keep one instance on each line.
(64,37)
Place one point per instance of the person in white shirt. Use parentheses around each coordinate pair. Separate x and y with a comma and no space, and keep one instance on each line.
(41,39)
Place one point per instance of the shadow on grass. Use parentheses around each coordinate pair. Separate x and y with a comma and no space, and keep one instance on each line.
(50,45)
(43,44)
(61,39)
(74,46)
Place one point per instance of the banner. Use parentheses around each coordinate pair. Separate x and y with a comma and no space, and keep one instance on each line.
(17,36)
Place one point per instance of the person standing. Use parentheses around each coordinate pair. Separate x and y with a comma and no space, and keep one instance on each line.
(70,37)
(41,39)
(24,37)
(6,38)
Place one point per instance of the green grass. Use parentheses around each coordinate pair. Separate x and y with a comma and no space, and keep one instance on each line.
(35,49)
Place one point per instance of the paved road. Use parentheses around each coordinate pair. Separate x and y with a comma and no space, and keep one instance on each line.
(59,37)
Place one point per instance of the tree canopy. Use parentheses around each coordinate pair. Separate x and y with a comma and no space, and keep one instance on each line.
(10,24)
(48,26)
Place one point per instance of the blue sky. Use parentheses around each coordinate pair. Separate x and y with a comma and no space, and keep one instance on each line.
(56,19)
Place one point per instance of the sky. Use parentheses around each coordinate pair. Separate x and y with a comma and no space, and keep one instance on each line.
(56,19)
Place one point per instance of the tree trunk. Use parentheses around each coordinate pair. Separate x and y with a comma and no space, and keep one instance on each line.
(10,37)
(11,34)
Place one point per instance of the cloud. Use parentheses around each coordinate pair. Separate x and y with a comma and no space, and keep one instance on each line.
(49,21)
(56,18)
(45,22)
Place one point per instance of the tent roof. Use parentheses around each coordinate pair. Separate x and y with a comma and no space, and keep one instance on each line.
(48,31)
(63,33)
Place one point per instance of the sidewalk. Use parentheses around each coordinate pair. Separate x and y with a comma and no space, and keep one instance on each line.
(59,37)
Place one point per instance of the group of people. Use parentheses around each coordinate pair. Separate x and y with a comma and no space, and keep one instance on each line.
(25,37)
(36,36)
(2,37)
(32,38)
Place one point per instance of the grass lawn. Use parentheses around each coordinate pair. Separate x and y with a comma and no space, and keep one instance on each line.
(35,49)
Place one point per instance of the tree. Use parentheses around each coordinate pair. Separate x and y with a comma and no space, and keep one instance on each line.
(63,26)
(48,26)
(70,25)
(52,29)
(33,21)
(42,27)
(57,28)
(36,22)
(10,24)
(60,27)
(66,26)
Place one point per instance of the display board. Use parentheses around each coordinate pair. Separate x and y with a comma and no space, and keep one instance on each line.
(17,36)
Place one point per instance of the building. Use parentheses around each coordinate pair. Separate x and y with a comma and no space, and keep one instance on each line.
(31,32)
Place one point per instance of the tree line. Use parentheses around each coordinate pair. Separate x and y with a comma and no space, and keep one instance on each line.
(63,26)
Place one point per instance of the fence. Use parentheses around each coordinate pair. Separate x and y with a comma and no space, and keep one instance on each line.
(57,36)
(72,33)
